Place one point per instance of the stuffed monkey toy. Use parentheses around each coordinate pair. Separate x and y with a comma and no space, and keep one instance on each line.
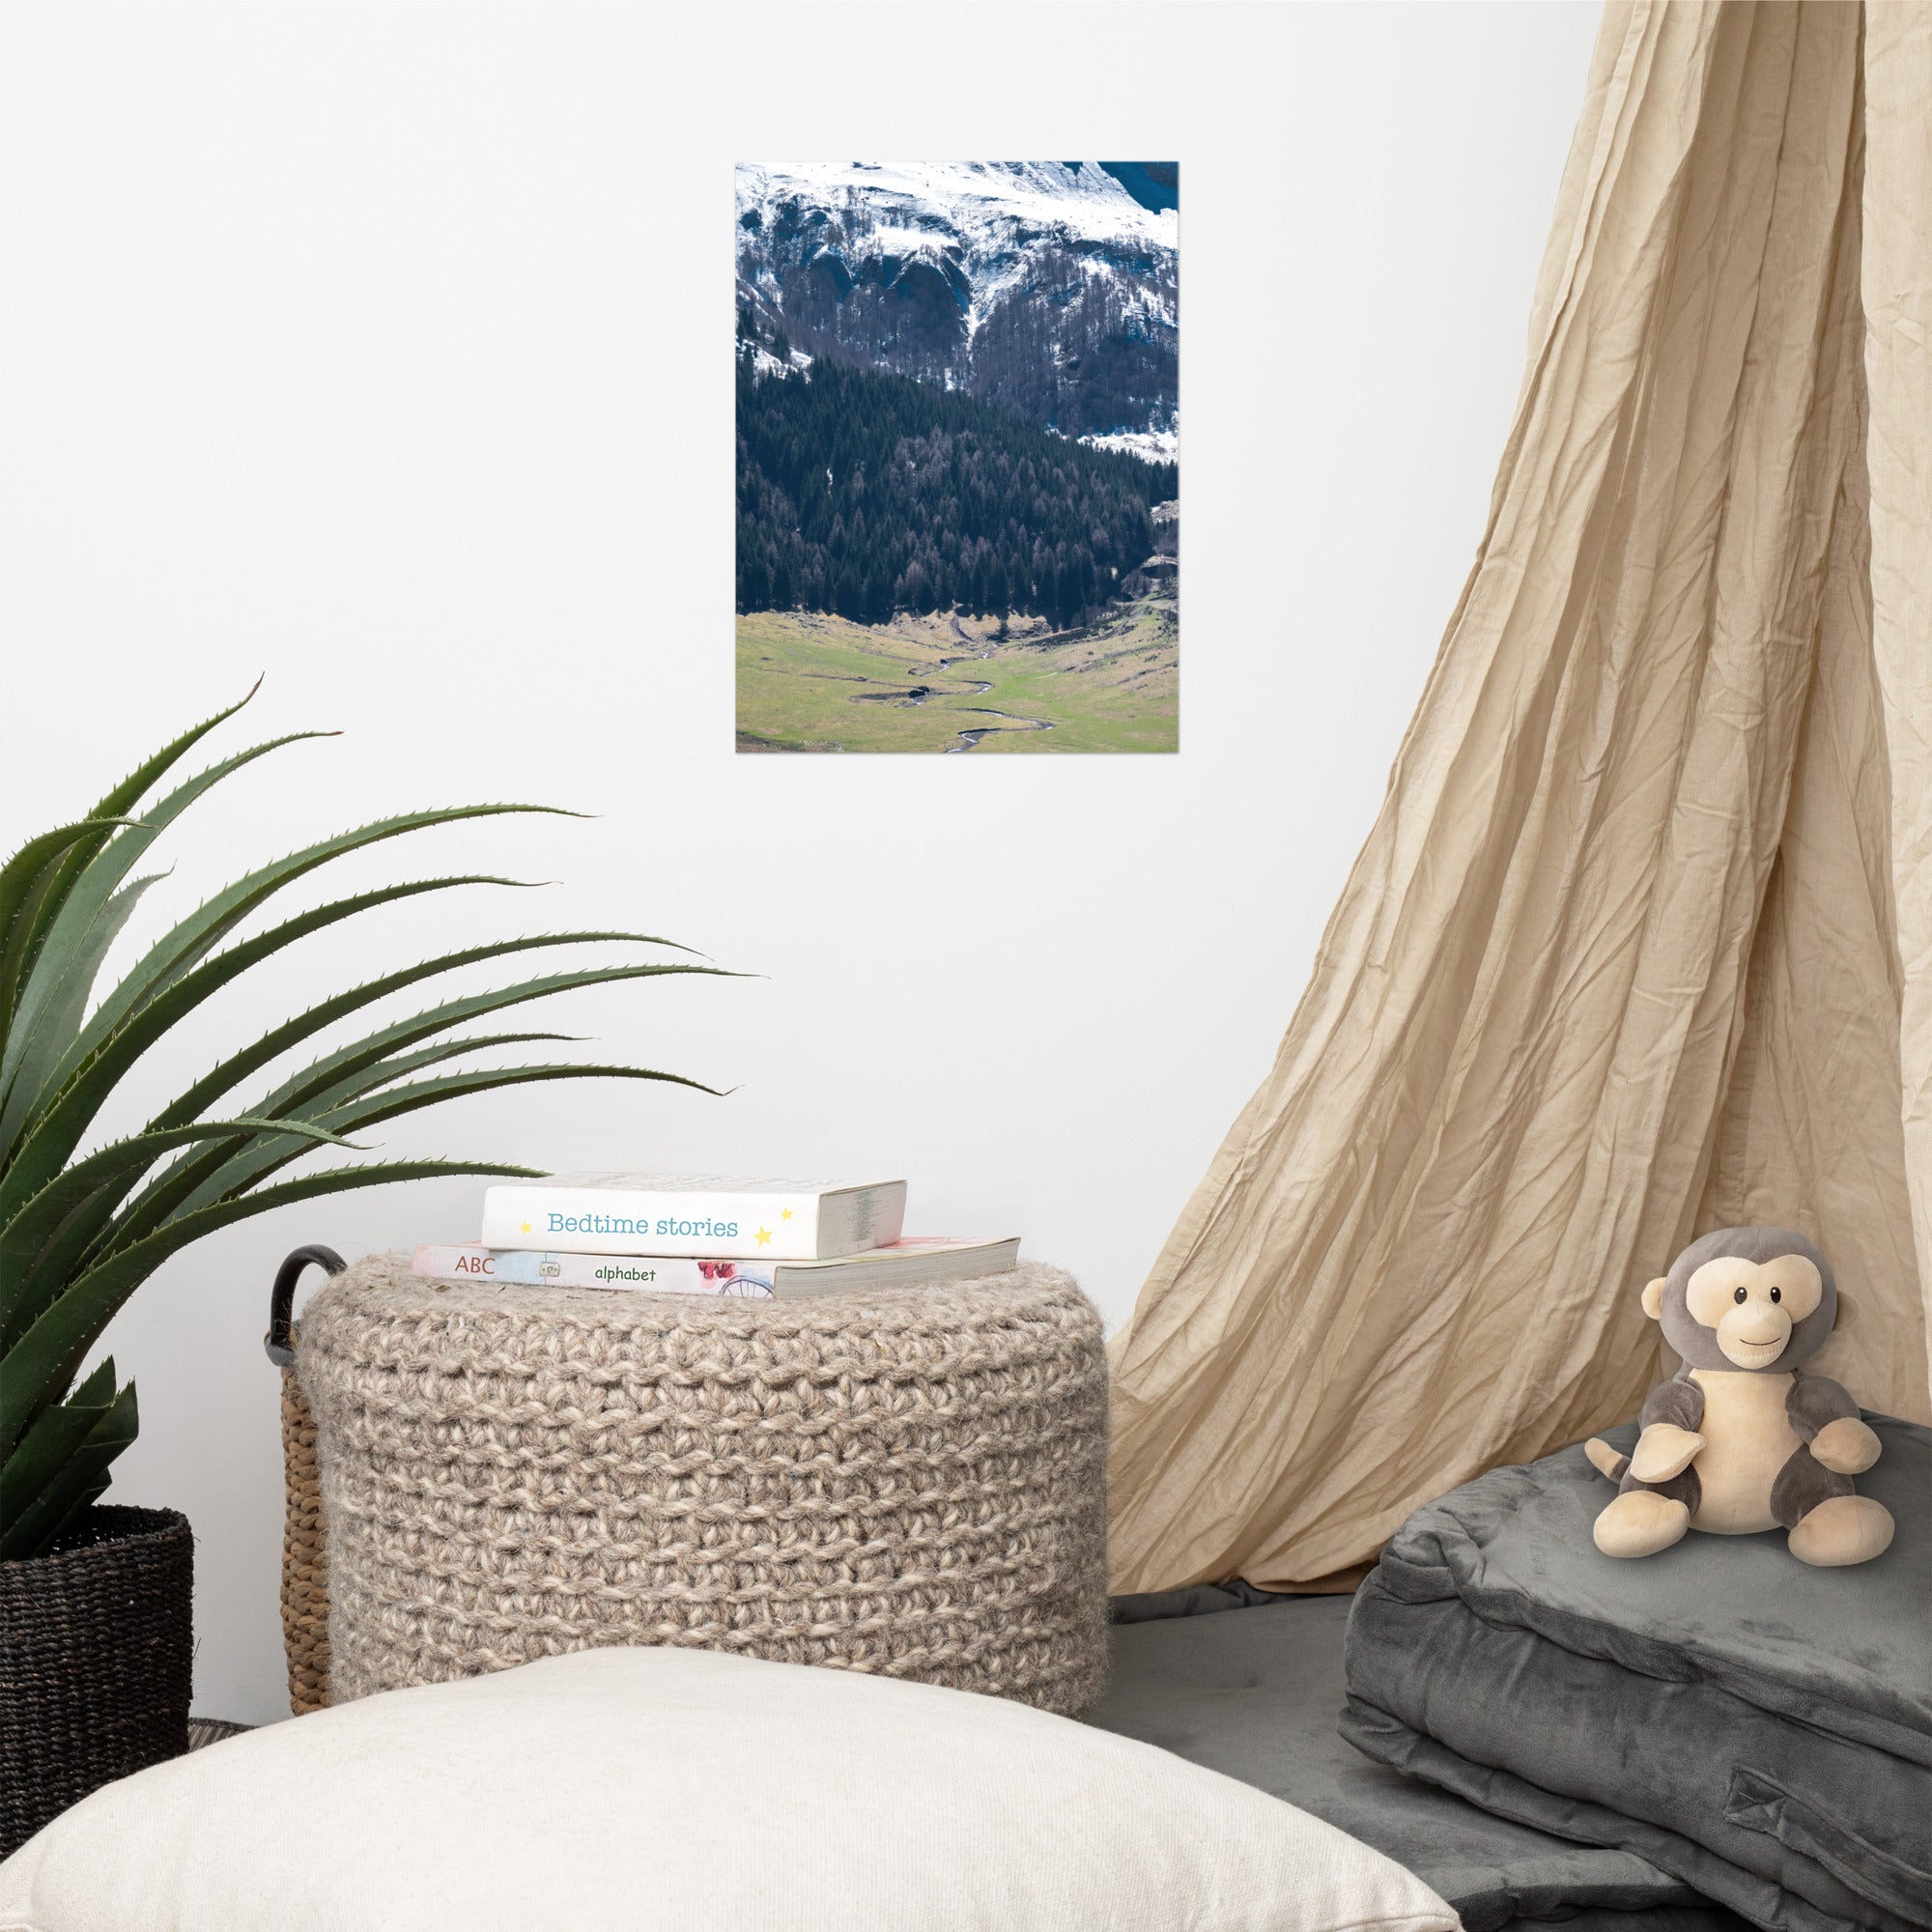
(1741,1439)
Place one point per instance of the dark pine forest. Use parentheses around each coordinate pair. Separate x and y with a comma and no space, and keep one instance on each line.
(866,494)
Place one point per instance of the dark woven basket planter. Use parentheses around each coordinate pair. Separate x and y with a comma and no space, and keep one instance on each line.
(95,1657)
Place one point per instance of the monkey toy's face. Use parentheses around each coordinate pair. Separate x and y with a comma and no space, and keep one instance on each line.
(1751,1306)
(1754,1298)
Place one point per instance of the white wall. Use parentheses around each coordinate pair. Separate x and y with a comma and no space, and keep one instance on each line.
(386,351)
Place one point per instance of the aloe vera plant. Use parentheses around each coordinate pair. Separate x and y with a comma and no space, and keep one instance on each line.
(80,1232)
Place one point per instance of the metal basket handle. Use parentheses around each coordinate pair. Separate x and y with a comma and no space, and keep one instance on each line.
(279,1342)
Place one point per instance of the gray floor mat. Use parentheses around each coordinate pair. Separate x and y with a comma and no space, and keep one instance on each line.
(1253,1689)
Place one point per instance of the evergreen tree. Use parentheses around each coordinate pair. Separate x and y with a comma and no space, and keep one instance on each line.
(862,492)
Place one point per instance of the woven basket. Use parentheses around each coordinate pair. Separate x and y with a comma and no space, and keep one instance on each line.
(305,1549)
(96,1652)
(907,1481)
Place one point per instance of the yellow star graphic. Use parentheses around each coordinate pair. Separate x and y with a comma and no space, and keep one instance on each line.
(785,1213)
(764,1236)
(527,1227)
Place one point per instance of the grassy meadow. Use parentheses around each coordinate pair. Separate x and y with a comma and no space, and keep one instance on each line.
(813,682)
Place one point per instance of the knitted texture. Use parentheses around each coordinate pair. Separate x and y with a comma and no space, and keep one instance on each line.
(908,1481)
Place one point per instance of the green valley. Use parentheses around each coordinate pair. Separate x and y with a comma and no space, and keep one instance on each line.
(810,681)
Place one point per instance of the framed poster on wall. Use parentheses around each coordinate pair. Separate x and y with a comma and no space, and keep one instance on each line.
(957,424)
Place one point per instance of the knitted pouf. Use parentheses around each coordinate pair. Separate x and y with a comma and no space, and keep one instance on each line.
(909,1480)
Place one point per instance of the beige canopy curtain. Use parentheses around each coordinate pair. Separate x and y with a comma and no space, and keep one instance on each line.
(1641,941)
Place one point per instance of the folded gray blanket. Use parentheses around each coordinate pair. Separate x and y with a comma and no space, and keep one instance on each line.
(1760,1729)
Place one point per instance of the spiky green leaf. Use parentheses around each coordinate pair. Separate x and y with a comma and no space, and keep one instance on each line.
(181,1183)
(29,1228)
(37,860)
(263,1156)
(229,1073)
(60,1019)
(47,1446)
(75,1480)
(62,946)
(194,937)
(37,1366)
(51,889)
(58,1128)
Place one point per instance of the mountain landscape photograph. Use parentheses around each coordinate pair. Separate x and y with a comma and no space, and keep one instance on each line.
(958,413)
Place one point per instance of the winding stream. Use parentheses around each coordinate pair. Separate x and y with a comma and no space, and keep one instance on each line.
(969,738)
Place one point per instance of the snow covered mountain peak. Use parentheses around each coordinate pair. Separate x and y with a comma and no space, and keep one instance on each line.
(966,197)
(1045,286)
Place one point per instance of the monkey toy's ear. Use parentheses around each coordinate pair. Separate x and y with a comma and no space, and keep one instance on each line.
(1652,1296)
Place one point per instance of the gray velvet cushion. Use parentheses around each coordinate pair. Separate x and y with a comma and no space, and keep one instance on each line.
(1759,1729)
(1255,1691)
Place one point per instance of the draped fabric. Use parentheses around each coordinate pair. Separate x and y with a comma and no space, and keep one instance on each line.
(1641,941)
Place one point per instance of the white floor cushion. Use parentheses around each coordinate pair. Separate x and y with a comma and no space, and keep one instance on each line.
(685,1790)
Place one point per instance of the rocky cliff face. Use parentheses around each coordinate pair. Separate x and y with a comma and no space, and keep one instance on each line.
(1042,286)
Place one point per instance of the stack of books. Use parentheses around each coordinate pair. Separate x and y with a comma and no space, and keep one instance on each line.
(705,1235)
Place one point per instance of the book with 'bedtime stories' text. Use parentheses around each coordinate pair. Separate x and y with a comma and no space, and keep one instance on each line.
(694,1215)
